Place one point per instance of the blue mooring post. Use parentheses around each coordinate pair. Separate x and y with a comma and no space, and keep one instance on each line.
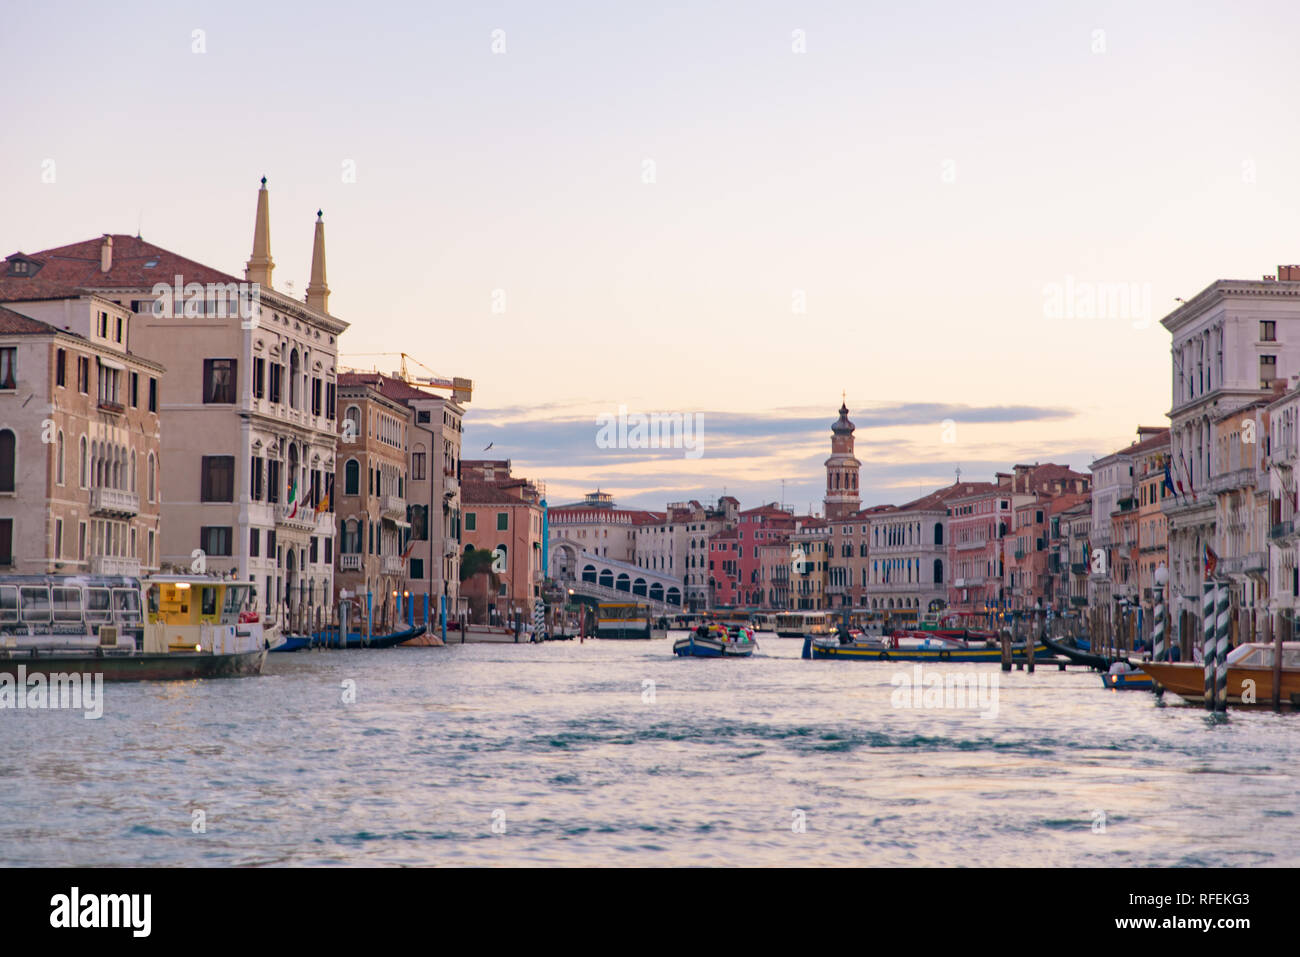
(370,615)
(442,616)
(426,609)
(410,612)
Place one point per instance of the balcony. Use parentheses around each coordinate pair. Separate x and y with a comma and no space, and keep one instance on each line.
(304,520)
(112,565)
(970,546)
(1078,568)
(1020,554)
(393,507)
(1078,601)
(393,565)
(114,501)
(1282,529)
(349,563)
(1238,478)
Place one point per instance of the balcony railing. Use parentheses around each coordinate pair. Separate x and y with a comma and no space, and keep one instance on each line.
(112,565)
(393,565)
(114,501)
(1237,478)
(108,405)
(349,563)
(1282,529)
(304,519)
(1078,568)
(393,506)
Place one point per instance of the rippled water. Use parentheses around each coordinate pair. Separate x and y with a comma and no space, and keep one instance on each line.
(561,746)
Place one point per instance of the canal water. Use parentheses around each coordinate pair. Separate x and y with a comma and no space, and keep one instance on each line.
(617,753)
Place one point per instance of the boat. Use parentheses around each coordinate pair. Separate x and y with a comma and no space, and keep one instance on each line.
(188,627)
(715,641)
(1124,677)
(910,646)
(1252,661)
(1100,662)
(353,639)
(623,619)
(801,624)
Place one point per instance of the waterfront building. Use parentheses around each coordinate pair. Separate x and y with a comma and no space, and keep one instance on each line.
(774,572)
(247,411)
(370,483)
(908,554)
(809,558)
(80,446)
(1149,458)
(431,544)
(734,555)
(979,520)
(1240,486)
(504,517)
(677,543)
(1281,451)
(1230,343)
(1075,524)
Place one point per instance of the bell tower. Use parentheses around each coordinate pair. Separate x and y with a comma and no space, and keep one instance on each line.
(842,496)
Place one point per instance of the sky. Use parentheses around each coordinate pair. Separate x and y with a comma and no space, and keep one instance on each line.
(968,220)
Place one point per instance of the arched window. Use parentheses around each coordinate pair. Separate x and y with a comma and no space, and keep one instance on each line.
(352,477)
(293,379)
(589,573)
(938,569)
(8,459)
(674,596)
(58,459)
(656,592)
(352,424)
(623,583)
(606,578)
(153,479)
(83,469)
(133,470)
(938,533)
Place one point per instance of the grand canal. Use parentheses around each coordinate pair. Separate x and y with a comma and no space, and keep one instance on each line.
(616,753)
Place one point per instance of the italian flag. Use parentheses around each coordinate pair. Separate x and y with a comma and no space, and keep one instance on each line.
(293,497)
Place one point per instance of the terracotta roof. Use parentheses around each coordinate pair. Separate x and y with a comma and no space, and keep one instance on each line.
(475,492)
(16,324)
(73,269)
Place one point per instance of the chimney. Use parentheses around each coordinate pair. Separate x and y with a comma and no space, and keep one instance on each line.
(318,293)
(259,266)
(106,254)
(1288,273)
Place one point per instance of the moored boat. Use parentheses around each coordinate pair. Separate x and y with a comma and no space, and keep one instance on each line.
(910,646)
(1124,678)
(1250,675)
(194,627)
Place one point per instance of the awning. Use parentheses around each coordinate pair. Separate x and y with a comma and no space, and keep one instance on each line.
(111,364)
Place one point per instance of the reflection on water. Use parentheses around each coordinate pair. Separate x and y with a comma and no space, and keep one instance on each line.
(618,753)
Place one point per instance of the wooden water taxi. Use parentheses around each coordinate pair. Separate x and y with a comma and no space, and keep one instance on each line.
(1250,675)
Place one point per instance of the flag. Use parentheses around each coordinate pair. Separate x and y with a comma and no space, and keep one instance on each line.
(409,548)
(1211,561)
(293,497)
(1169,477)
(323,504)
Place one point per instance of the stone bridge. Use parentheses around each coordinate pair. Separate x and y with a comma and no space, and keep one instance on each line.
(604,579)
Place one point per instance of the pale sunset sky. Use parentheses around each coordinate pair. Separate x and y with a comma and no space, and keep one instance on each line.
(732,209)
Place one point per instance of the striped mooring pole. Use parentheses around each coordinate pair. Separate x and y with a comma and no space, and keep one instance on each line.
(1208,621)
(1221,657)
(1158,627)
(539,619)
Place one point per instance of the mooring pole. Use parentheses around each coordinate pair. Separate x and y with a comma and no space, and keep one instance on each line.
(1221,658)
(1207,631)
